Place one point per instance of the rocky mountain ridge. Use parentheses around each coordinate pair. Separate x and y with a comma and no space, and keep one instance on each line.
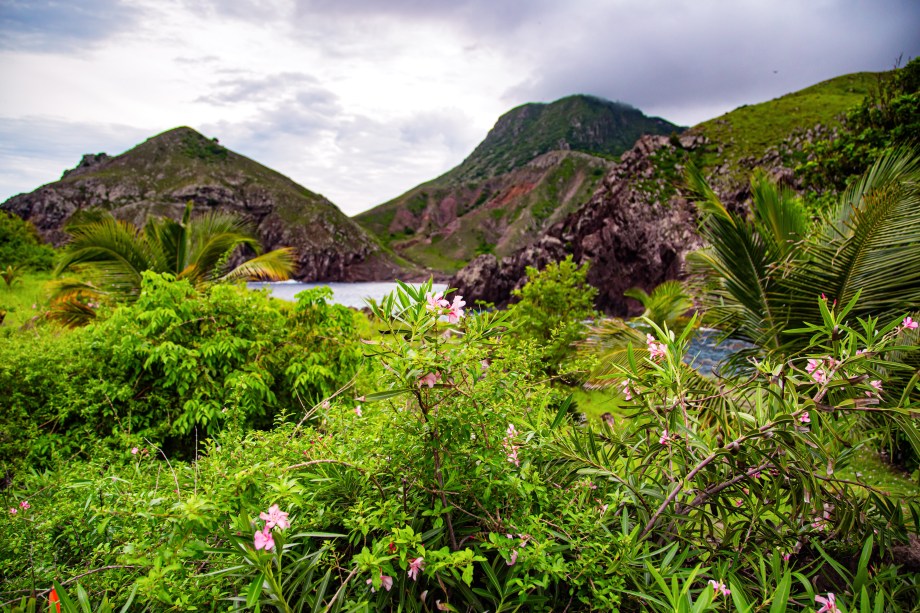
(537,164)
(159,176)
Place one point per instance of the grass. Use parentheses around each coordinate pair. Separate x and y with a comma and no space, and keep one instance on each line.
(750,130)
(24,299)
(867,467)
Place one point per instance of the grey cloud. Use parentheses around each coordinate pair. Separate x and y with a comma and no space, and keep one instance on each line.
(48,26)
(719,56)
(249,88)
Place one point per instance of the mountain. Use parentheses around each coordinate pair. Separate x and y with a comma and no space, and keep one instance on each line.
(163,173)
(537,164)
(637,227)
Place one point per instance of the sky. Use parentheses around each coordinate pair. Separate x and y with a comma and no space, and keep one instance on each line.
(361,100)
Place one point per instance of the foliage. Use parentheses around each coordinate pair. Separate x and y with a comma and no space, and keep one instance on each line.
(20,245)
(551,308)
(118,253)
(886,119)
(457,481)
(172,366)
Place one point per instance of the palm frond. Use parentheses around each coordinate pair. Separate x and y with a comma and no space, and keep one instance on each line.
(114,250)
(276,265)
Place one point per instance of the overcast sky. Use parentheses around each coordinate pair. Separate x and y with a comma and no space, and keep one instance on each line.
(361,100)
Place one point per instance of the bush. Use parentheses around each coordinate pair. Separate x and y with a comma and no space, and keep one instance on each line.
(552,307)
(20,244)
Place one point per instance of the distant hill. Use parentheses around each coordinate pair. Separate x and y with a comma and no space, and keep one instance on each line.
(538,163)
(161,174)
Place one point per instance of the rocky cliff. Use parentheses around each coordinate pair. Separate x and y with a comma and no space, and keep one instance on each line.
(160,175)
(630,233)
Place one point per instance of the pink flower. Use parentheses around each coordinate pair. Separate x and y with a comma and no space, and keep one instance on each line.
(805,418)
(13,511)
(829,603)
(25,505)
(134,450)
(430,379)
(510,448)
(263,539)
(627,391)
(878,388)
(812,365)
(436,302)
(415,567)
(656,350)
(358,410)
(666,438)
(719,588)
(386,580)
(513,560)
(455,312)
(819,376)
(786,557)
(909,324)
(275,517)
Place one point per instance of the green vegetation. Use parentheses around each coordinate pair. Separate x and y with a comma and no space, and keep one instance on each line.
(24,300)
(747,132)
(888,118)
(20,245)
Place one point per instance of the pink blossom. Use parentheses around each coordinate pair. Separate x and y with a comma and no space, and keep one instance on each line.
(430,379)
(812,365)
(25,505)
(275,517)
(627,391)
(909,324)
(656,350)
(829,603)
(386,580)
(415,567)
(805,418)
(513,560)
(358,410)
(13,511)
(455,312)
(666,438)
(436,302)
(510,448)
(719,588)
(819,376)
(134,450)
(263,539)
(786,556)
(878,388)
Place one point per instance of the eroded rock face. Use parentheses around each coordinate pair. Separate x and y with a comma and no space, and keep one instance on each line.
(630,238)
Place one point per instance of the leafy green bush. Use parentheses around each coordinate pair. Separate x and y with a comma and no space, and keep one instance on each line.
(21,246)
(551,309)
(173,366)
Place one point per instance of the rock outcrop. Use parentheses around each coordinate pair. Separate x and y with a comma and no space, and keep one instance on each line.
(159,176)
(629,234)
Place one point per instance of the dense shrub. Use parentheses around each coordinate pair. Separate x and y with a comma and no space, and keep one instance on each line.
(173,367)
(21,246)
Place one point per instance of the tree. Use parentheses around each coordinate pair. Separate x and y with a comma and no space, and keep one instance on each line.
(114,254)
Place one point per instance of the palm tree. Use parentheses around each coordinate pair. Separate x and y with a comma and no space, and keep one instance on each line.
(765,274)
(115,253)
